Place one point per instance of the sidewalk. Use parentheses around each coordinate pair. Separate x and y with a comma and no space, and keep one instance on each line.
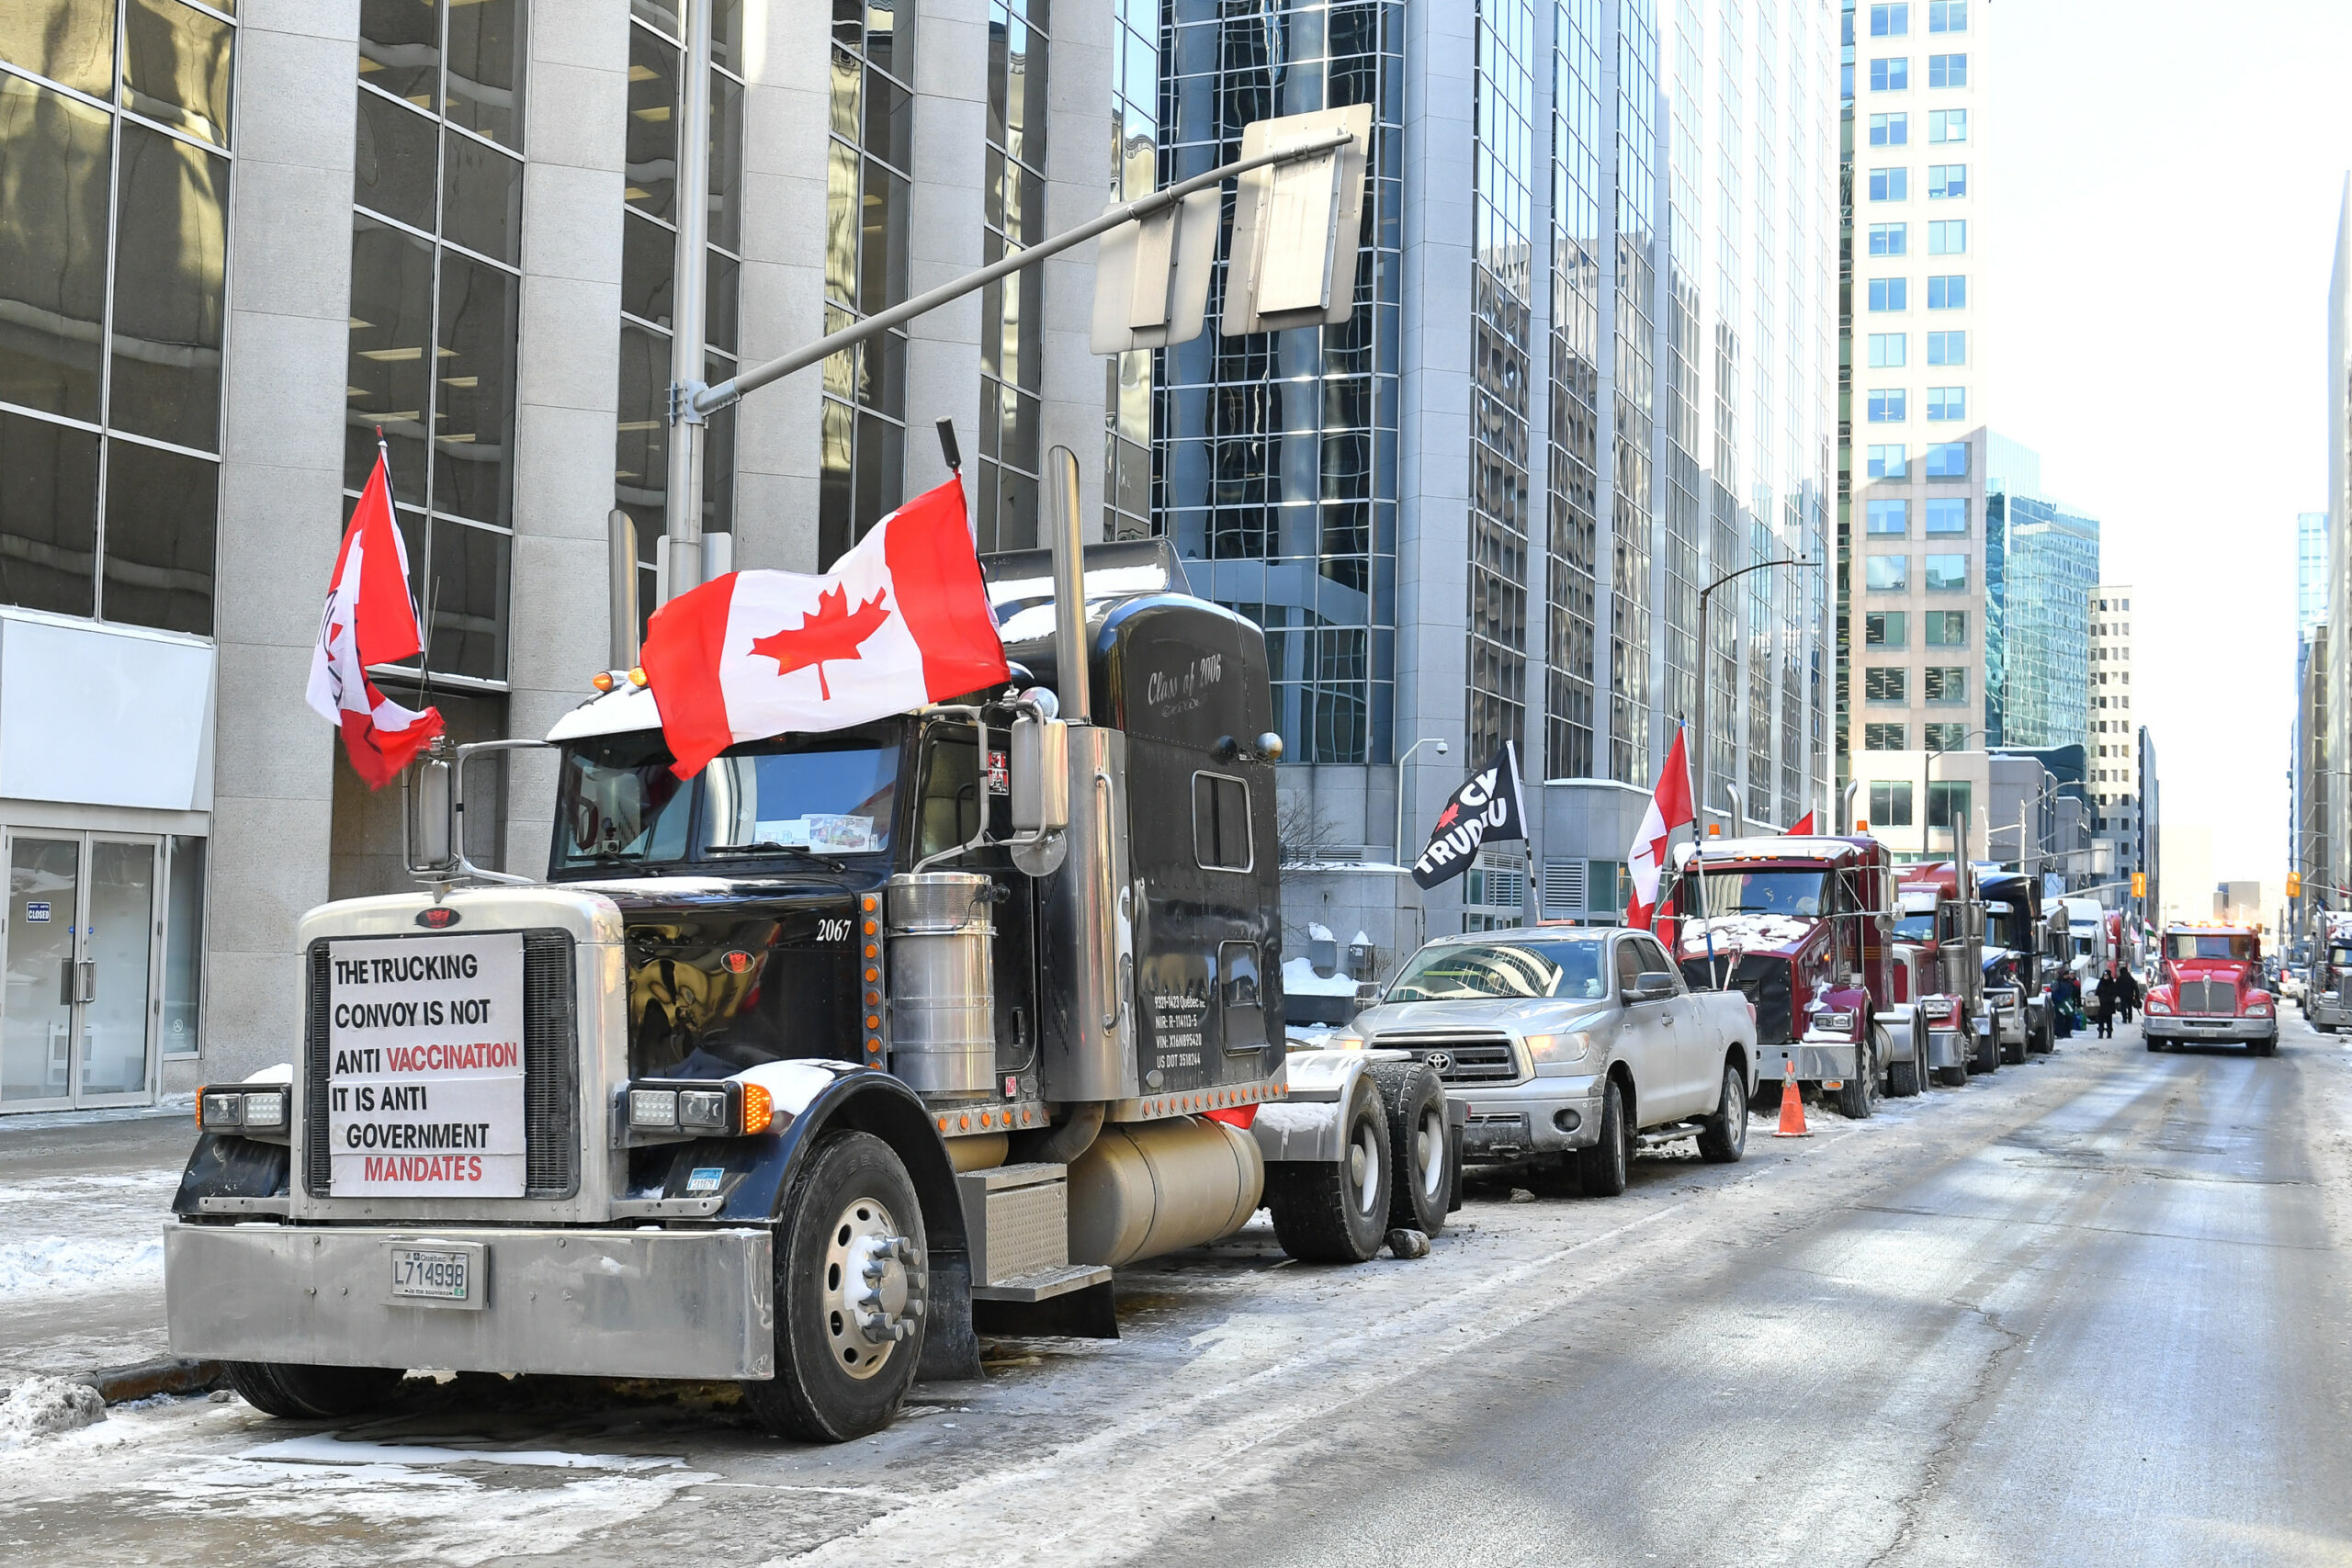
(82,1202)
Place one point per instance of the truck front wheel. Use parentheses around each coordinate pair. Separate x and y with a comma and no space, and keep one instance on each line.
(1337,1211)
(1855,1102)
(850,1279)
(296,1392)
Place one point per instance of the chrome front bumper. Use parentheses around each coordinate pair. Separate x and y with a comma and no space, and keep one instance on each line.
(1949,1048)
(591,1303)
(2175,1026)
(2329,1010)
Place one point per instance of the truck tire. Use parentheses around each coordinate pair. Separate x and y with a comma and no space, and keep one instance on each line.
(1905,1080)
(1603,1170)
(1337,1211)
(1422,1182)
(2266,1047)
(851,1268)
(2013,1054)
(1725,1137)
(1985,1050)
(292,1391)
(1858,1099)
(2038,1034)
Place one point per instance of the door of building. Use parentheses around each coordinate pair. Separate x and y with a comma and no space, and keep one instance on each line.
(81,940)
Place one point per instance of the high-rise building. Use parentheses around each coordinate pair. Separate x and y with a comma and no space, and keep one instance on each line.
(456,220)
(2113,748)
(2330,746)
(1587,375)
(2311,571)
(2307,783)
(2042,562)
(1919,551)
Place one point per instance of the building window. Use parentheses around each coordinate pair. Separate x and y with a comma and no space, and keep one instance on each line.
(435,307)
(1946,738)
(1134,172)
(1885,738)
(1949,292)
(1890,184)
(1890,130)
(1948,460)
(1947,628)
(1011,310)
(1948,237)
(1883,629)
(1885,683)
(1946,181)
(1889,803)
(1947,798)
(1946,682)
(1948,515)
(1947,71)
(1887,405)
(1887,463)
(1946,125)
(113,258)
(649,271)
(1947,16)
(1947,403)
(1890,21)
(1947,574)
(1888,573)
(1890,293)
(861,443)
(1890,76)
(1889,351)
(1947,348)
(1890,519)
(1889,239)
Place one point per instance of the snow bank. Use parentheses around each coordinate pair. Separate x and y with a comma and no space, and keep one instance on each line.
(67,1265)
(40,1406)
(1299,979)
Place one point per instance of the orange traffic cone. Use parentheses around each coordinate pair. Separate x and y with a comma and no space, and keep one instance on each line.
(1792,1105)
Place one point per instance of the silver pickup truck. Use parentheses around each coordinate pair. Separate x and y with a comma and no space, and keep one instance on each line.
(1580,1042)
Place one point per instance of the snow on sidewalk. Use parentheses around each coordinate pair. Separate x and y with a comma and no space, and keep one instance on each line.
(80,1235)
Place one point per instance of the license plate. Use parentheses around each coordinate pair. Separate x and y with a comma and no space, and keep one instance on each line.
(436,1276)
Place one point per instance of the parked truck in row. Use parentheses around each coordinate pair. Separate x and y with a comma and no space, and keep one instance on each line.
(2327,990)
(803,1070)
(2209,991)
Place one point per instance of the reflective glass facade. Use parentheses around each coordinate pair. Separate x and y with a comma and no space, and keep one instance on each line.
(1573,456)
(1634,405)
(1135,164)
(2038,611)
(1275,454)
(115,158)
(1501,371)
(1011,310)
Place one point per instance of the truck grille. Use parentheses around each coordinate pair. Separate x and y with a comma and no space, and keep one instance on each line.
(551,1074)
(1761,978)
(1483,1058)
(2211,999)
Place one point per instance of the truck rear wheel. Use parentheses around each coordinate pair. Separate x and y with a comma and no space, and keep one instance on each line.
(1603,1170)
(1725,1137)
(1337,1211)
(296,1392)
(849,1277)
(1422,1177)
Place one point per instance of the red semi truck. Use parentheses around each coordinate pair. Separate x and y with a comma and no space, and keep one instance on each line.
(1942,913)
(2210,989)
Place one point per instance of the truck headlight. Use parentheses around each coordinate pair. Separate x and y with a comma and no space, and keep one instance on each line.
(1833,1022)
(1937,1007)
(2161,1010)
(245,1111)
(2259,1010)
(671,1111)
(1552,1049)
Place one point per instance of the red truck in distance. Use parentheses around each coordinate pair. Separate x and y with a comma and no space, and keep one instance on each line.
(2209,989)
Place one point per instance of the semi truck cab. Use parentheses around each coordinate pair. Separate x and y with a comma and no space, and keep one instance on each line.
(2210,989)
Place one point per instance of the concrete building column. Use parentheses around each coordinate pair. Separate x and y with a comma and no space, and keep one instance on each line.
(947,205)
(1079,166)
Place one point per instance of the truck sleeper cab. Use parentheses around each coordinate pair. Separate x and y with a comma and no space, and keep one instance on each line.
(801,1071)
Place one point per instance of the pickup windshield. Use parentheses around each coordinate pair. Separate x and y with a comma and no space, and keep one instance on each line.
(619,805)
(1528,969)
(1764,892)
(2201,944)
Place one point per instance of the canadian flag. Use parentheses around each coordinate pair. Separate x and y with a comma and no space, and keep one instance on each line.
(901,620)
(1802,827)
(1669,808)
(369,619)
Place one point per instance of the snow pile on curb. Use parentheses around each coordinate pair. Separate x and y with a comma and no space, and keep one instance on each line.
(65,1265)
(41,1406)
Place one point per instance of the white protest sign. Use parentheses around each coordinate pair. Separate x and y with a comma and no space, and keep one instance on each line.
(424,1088)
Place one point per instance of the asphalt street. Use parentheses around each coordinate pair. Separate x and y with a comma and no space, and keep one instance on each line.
(2090,1310)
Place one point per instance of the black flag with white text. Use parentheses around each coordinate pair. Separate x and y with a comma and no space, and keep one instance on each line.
(1487,806)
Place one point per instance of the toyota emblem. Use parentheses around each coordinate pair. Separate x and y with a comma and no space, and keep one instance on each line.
(1440,1060)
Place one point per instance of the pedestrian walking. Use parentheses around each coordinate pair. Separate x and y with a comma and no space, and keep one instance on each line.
(2128,994)
(2107,991)
(2064,992)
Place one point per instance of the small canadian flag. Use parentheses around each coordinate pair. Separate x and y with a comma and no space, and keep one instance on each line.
(369,619)
(901,620)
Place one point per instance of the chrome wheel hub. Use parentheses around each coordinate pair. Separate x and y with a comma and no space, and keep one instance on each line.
(873,1288)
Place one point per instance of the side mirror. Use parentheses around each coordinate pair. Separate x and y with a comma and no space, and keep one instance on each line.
(1652,984)
(1367,994)
(1040,768)
(431,813)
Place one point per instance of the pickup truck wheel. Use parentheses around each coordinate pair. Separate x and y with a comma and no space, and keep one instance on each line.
(850,1279)
(1337,1211)
(1423,1180)
(1857,1100)
(1602,1168)
(293,1391)
(1725,1137)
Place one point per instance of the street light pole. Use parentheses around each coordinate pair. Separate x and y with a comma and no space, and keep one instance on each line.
(1425,740)
(682,501)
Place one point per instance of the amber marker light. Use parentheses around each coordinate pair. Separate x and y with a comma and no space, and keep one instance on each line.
(603,681)
(759,1109)
(637,676)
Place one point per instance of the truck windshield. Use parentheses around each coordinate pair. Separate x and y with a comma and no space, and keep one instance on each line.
(617,800)
(1764,892)
(1912,927)
(2200,944)
(618,803)
(1501,969)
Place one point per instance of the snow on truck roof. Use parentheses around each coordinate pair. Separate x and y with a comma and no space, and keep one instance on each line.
(1779,847)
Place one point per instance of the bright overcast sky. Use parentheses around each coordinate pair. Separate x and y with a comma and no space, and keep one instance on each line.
(2162,200)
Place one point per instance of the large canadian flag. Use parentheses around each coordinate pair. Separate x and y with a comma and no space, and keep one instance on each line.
(369,619)
(901,620)
(1669,808)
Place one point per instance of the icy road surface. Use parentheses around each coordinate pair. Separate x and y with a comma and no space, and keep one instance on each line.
(2090,1311)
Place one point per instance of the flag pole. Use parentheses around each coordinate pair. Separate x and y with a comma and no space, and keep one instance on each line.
(1697,858)
(424,618)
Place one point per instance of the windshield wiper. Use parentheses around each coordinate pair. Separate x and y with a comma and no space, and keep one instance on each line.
(770,847)
(615,857)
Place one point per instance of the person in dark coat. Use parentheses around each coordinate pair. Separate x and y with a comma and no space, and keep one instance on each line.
(2128,993)
(2108,990)
(2064,992)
